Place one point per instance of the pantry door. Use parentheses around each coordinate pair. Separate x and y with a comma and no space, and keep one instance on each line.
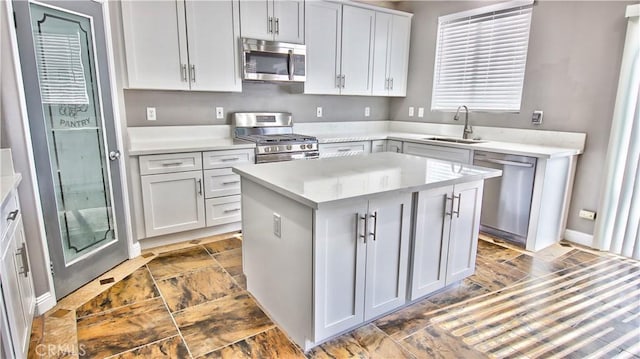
(63,55)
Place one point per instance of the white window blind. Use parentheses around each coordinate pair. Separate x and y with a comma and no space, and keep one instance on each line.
(60,69)
(480,58)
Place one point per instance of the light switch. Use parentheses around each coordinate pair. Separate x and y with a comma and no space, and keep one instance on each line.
(411,111)
(318,111)
(420,111)
(220,113)
(151,113)
(367,112)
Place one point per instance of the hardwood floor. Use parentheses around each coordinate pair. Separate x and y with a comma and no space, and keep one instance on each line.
(189,301)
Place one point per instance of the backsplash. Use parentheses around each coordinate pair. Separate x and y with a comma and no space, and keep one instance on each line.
(175,108)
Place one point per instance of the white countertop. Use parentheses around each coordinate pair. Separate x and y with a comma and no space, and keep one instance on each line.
(316,183)
(8,184)
(150,147)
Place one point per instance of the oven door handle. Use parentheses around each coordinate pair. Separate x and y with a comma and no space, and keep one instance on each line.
(291,65)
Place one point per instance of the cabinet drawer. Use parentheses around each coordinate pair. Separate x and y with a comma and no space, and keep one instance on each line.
(227,158)
(378,146)
(223,210)
(438,152)
(344,148)
(169,163)
(9,209)
(394,146)
(221,182)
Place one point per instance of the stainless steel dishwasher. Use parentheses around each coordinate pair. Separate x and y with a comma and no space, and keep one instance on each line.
(506,203)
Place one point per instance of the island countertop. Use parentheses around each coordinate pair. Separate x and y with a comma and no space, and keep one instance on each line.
(319,182)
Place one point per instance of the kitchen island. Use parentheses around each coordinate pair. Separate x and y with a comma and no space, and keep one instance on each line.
(331,244)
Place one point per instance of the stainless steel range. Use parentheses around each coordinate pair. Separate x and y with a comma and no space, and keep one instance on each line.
(272,132)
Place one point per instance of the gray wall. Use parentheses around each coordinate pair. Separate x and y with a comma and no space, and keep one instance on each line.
(575,49)
(198,108)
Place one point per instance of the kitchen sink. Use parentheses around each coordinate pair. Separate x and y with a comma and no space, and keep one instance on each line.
(454,140)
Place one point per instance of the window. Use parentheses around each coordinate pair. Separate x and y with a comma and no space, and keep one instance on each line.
(480,58)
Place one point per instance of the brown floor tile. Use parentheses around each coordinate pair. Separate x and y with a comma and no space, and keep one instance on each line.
(407,320)
(457,293)
(241,280)
(223,245)
(168,348)
(37,335)
(494,275)
(433,342)
(272,343)
(136,287)
(364,342)
(213,325)
(197,287)
(174,263)
(495,252)
(536,267)
(60,335)
(582,258)
(231,260)
(124,328)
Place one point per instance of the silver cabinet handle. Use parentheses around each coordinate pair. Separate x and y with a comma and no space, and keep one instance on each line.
(506,163)
(344,149)
(193,73)
(457,212)
(359,233)
(447,199)
(270,25)
(230,182)
(277,26)
(375,225)
(183,71)
(230,159)
(291,65)
(199,181)
(338,77)
(114,155)
(167,164)
(22,252)
(12,215)
(386,84)
(391,85)
(343,81)
(231,210)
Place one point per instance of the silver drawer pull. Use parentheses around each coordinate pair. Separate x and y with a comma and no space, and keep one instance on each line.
(167,164)
(230,182)
(230,159)
(231,210)
(344,149)
(12,215)
(508,163)
(22,252)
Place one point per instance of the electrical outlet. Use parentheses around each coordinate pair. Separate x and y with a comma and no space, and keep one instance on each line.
(367,112)
(590,215)
(318,111)
(411,111)
(151,113)
(277,225)
(220,113)
(420,111)
(536,118)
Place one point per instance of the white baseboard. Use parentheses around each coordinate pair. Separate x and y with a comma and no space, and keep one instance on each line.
(135,250)
(579,237)
(45,302)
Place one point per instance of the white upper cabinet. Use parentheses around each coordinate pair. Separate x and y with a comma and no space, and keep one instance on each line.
(273,20)
(185,45)
(323,30)
(391,54)
(355,51)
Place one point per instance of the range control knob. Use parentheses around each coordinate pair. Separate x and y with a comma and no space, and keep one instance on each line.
(267,149)
(288,147)
(309,146)
(302,147)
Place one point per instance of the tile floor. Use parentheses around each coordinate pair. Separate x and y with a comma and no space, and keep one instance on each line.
(189,301)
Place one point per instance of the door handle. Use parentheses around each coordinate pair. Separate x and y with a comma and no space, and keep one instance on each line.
(183,71)
(22,252)
(391,85)
(230,182)
(338,77)
(12,215)
(199,182)
(506,163)
(193,73)
(343,81)
(359,233)
(270,25)
(114,155)
(447,199)
(230,159)
(456,212)
(277,26)
(374,234)
(231,210)
(291,65)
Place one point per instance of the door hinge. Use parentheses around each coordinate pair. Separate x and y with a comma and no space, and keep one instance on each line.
(53,273)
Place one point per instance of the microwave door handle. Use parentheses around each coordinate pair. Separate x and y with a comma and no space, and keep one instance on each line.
(291,65)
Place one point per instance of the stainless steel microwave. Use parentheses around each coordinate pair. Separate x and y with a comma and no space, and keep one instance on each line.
(273,61)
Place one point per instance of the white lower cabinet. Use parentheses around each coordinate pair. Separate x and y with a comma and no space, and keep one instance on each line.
(447,221)
(17,285)
(394,146)
(344,148)
(221,182)
(361,262)
(223,210)
(173,202)
(438,152)
(378,146)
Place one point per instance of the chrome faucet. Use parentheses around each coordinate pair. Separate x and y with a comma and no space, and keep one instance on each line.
(468,130)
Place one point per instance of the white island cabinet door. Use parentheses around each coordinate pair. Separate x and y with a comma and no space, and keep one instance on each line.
(465,225)
(340,254)
(213,30)
(323,26)
(387,254)
(173,202)
(289,21)
(431,241)
(357,50)
(156,46)
(256,19)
